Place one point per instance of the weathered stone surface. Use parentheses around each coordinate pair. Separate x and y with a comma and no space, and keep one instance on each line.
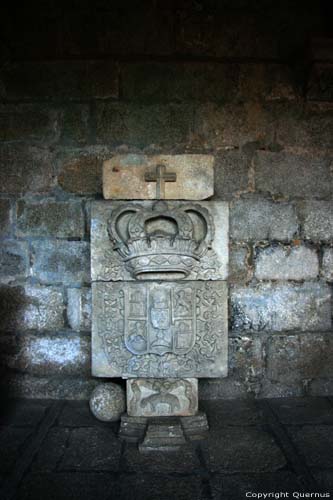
(46,355)
(233,125)
(50,218)
(92,448)
(28,122)
(193,342)
(315,443)
(61,261)
(29,386)
(60,80)
(227,388)
(81,174)
(286,263)
(293,389)
(5,217)
(317,220)
(244,449)
(31,308)
(262,220)
(231,174)
(107,264)
(156,397)
(308,176)
(278,307)
(294,358)
(14,261)
(300,411)
(79,308)
(25,169)
(327,266)
(246,368)
(239,268)
(308,126)
(107,402)
(247,362)
(142,125)
(194,177)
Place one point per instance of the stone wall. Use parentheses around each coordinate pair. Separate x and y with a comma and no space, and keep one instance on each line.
(251,83)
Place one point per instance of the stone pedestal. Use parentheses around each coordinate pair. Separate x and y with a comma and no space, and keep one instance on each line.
(159,290)
(163,433)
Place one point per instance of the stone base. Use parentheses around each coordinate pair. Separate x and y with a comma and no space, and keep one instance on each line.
(163,433)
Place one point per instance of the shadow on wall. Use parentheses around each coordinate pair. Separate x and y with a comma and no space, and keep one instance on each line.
(56,364)
(12,302)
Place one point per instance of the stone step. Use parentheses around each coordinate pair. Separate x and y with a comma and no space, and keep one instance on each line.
(163,436)
(195,427)
(132,429)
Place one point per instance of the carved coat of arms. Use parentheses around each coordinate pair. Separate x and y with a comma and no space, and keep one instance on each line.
(160,319)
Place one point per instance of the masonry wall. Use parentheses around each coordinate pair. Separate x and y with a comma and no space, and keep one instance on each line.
(251,83)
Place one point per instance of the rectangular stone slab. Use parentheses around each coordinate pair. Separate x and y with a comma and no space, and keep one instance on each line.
(147,397)
(124,177)
(107,264)
(160,330)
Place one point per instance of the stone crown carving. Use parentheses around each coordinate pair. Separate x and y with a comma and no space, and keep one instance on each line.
(158,242)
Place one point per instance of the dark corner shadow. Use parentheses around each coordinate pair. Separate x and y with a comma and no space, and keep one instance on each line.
(12,300)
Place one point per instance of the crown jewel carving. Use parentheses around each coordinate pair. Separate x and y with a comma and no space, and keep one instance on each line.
(161,242)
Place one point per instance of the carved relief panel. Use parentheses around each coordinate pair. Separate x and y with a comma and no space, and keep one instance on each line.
(147,329)
(159,240)
(162,397)
(159,299)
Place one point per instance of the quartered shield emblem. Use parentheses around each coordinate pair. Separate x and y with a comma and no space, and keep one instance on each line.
(159,318)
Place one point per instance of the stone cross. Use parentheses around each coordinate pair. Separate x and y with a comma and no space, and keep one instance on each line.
(160,176)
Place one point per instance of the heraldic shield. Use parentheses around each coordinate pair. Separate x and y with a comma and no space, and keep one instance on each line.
(160,319)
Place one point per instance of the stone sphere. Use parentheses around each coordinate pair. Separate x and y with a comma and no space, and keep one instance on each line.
(107,402)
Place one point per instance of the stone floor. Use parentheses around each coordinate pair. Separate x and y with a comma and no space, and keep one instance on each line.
(56,450)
